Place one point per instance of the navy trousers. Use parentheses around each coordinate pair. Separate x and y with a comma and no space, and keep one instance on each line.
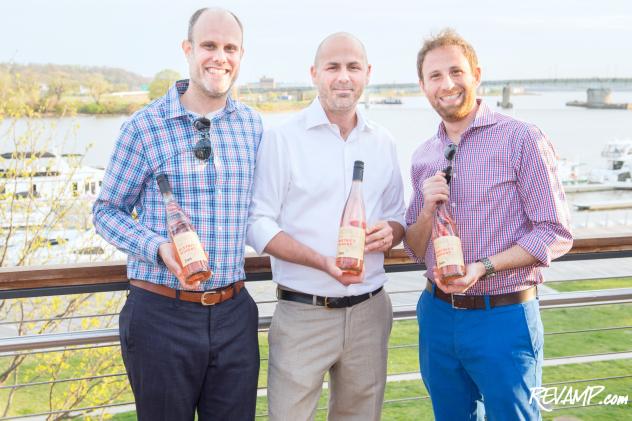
(183,357)
(481,363)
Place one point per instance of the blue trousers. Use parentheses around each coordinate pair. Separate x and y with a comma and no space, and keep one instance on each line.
(478,363)
(182,357)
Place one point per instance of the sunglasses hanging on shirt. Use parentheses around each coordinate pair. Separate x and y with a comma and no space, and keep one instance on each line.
(449,152)
(203,150)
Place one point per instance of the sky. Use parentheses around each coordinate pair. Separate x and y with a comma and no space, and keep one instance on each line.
(526,39)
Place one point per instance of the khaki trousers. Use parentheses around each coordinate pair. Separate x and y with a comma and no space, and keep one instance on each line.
(307,341)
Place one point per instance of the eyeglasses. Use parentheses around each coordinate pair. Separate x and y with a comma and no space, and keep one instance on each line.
(203,150)
(449,153)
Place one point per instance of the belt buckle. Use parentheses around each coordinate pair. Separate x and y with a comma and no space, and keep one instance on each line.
(334,302)
(456,306)
(204,294)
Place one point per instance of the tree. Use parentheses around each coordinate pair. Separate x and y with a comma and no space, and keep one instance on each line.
(60,83)
(97,86)
(162,82)
(30,222)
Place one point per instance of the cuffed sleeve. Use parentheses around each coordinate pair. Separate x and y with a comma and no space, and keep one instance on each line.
(543,199)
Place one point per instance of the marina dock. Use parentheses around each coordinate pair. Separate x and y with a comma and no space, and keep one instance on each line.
(596,187)
(600,206)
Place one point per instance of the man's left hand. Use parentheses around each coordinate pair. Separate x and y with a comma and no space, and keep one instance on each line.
(379,237)
(473,272)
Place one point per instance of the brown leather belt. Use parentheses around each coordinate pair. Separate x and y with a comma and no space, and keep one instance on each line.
(206,298)
(477,302)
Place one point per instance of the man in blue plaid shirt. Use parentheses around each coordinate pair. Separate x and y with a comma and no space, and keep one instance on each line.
(195,350)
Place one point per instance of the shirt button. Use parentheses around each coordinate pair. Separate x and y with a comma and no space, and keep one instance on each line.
(453,205)
(219,228)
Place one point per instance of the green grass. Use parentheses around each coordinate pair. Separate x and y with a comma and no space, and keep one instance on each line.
(404,359)
(591,284)
(593,372)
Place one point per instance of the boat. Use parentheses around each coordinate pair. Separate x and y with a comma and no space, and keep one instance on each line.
(390,101)
(571,172)
(618,168)
(61,246)
(47,175)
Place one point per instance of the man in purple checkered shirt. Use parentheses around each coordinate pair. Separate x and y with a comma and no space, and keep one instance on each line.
(481,336)
(188,351)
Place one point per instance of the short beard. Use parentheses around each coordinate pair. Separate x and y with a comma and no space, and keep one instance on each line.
(458,114)
(215,94)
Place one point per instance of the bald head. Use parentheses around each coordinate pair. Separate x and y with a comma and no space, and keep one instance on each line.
(215,12)
(338,39)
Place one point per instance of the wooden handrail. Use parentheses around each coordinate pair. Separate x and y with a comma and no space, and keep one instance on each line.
(28,277)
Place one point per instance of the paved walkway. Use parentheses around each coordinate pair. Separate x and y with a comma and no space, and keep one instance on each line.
(415,281)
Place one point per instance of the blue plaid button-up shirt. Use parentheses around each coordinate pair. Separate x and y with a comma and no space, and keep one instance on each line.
(215,195)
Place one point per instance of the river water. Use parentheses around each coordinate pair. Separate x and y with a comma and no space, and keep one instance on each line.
(578,134)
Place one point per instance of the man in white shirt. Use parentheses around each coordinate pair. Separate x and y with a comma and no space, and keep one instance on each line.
(327,321)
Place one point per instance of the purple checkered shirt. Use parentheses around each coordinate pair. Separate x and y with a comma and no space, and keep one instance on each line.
(216,195)
(504,191)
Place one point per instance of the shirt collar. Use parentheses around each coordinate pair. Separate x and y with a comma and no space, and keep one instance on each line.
(173,106)
(484,117)
(315,116)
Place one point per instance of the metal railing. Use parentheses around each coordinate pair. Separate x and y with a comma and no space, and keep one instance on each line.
(16,283)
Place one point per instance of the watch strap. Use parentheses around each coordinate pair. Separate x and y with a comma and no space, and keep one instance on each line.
(490,270)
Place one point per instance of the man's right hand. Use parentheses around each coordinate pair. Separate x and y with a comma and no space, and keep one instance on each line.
(167,252)
(336,272)
(435,189)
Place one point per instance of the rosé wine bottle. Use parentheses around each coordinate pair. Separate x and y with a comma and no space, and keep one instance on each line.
(189,251)
(352,233)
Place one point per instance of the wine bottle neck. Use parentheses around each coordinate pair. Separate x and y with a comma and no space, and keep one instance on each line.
(167,197)
(443,208)
(356,187)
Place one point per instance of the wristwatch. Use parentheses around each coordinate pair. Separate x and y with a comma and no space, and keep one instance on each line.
(489,267)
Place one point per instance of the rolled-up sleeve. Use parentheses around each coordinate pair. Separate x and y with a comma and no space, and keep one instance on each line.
(543,199)
(269,189)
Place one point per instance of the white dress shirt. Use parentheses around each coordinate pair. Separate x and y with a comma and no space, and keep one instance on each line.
(302,179)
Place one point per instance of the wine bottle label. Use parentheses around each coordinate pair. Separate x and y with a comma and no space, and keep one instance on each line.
(351,242)
(448,251)
(189,248)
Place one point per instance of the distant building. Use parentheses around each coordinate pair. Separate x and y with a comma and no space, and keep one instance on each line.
(266,82)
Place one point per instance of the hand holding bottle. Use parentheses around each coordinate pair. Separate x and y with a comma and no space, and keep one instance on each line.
(435,189)
(379,237)
(473,272)
(167,253)
(340,276)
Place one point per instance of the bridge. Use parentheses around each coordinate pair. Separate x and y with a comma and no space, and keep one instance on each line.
(613,83)
(616,84)
(595,87)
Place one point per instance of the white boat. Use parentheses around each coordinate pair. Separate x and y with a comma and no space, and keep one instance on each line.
(618,156)
(571,172)
(48,175)
(61,246)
